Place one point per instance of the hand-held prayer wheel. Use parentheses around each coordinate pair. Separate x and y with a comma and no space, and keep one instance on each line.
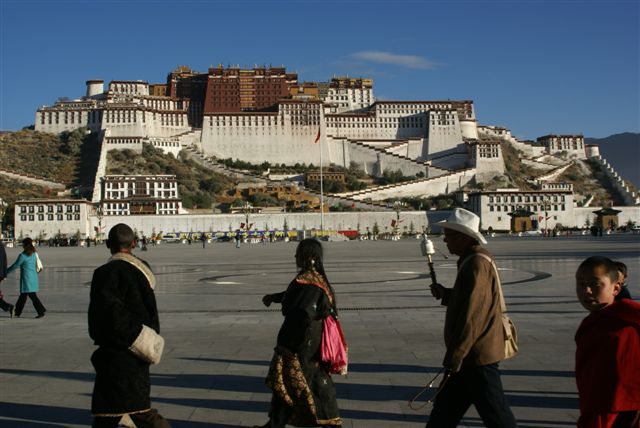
(427,248)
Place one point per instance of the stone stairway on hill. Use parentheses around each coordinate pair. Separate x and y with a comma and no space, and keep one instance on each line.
(627,194)
(424,187)
(32,179)
(329,199)
(385,159)
(190,138)
(554,173)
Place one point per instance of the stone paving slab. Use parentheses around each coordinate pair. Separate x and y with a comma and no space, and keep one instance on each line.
(219,337)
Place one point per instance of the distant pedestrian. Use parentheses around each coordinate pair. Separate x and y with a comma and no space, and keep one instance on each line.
(238,238)
(623,276)
(29,284)
(607,349)
(7,307)
(124,323)
(473,331)
(203,238)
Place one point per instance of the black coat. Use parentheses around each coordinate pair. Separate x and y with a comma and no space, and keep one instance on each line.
(308,300)
(121,302)
(3,261)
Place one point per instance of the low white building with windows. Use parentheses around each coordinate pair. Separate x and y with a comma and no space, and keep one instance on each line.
(550,207)
(48,218)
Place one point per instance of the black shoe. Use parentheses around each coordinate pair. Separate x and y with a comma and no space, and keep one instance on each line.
(40,315)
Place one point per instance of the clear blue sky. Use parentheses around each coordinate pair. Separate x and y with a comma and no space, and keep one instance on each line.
(536,67)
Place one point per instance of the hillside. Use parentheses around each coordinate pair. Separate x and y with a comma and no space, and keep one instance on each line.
(70,158)
(623,152)
(197,186)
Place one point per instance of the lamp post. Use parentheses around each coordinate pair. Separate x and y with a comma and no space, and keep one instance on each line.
(246,209)
(3,206)
(397,207)
(99,214)
(547,200)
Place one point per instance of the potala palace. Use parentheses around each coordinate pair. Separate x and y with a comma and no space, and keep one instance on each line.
(266,114)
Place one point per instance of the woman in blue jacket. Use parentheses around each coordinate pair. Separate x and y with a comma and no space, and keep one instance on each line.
(28,278)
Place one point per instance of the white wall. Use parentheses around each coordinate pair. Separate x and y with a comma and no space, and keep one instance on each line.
(418,188)
(230,222)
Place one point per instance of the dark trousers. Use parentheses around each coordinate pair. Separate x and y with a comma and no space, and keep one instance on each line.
(480,386)
(149,419)
(5,306)
(37,304)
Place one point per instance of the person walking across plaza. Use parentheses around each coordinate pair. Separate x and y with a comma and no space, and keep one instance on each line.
(473,331)
(7,307)
(124,324)
(29,284)
(303,391)
(238,238)
(607,349)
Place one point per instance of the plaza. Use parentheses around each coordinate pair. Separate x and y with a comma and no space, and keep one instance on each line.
(219,336)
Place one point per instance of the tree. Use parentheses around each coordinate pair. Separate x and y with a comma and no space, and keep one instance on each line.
(261,199)
(376,229)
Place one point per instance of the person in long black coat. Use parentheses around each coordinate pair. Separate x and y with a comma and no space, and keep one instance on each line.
(303,392)
(7,307)
(124,323)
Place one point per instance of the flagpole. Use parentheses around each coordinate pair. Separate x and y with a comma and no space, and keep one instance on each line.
(321,194)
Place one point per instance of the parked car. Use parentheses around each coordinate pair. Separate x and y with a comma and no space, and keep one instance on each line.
(170,238)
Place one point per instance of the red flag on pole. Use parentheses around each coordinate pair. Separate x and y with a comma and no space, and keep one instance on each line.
(317,136)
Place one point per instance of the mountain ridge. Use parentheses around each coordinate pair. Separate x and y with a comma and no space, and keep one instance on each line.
(622,151)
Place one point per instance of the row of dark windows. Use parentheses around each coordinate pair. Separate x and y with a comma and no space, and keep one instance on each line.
(50,217)
(50,208)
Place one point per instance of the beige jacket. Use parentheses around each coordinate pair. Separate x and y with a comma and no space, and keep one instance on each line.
(473,332)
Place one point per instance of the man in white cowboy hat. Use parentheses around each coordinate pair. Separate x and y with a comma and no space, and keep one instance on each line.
(473,331)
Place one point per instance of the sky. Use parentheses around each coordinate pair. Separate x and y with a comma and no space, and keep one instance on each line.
(537,67)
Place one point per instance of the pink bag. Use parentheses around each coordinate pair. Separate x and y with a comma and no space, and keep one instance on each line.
(333,349)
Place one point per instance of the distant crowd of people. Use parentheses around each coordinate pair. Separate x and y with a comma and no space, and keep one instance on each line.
(124,324)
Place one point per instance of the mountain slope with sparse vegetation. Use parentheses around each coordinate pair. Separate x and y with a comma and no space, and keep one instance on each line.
(198,186)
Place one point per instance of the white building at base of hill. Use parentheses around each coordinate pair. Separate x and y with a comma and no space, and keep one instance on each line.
(48,218)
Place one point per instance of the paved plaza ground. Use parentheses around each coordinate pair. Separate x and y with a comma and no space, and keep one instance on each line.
(219,336)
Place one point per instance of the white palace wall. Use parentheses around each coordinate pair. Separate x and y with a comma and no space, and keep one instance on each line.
(259,143)
(295,221)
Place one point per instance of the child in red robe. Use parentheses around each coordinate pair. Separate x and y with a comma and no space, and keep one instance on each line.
(607,349)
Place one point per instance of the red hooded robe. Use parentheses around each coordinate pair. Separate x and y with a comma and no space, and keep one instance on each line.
(608,359)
